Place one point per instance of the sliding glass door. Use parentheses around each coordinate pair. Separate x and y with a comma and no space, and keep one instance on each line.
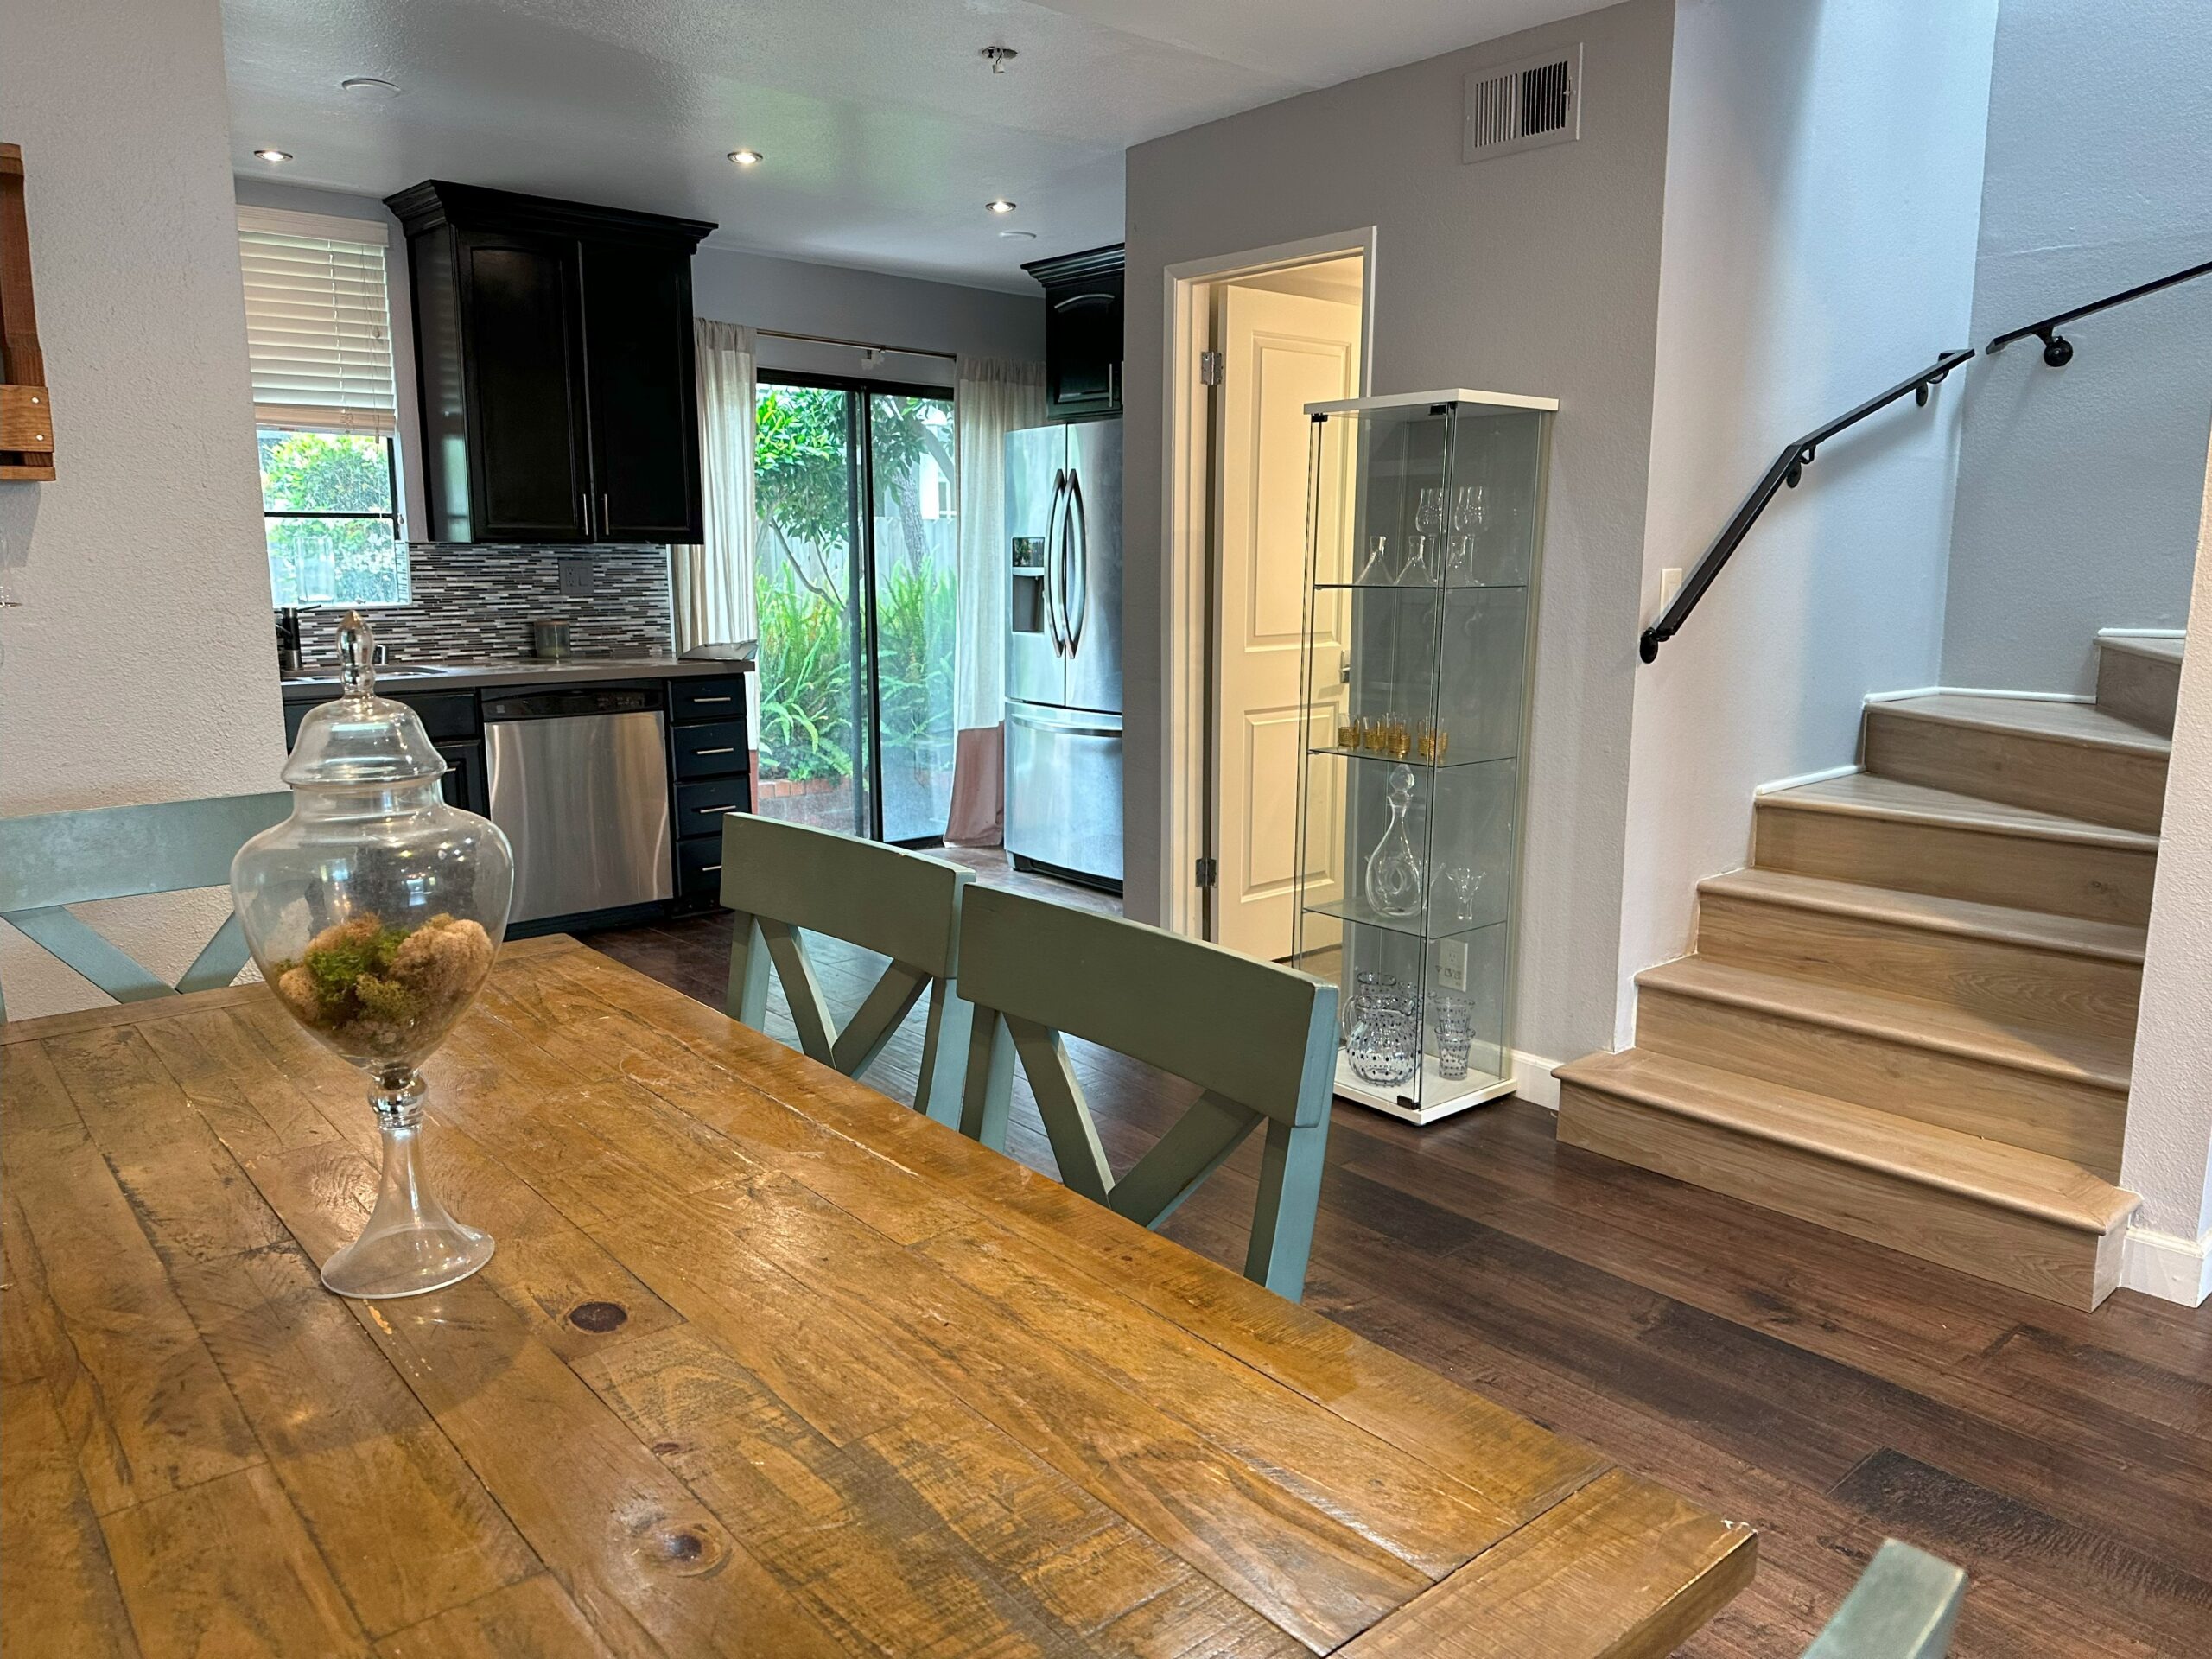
(855,564)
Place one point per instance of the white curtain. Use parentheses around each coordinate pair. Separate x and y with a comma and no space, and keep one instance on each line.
(991,397)
(714,581)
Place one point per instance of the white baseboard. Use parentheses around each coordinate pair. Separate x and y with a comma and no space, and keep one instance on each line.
(1804,777)
(1978,691)
(2167,1266)
(1533,1080)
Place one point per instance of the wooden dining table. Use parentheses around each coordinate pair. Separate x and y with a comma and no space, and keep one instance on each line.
(765,1363)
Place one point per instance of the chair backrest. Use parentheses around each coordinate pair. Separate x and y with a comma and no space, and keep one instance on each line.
(1258,1038)
(786,879)
(1903,1607)
(55,859)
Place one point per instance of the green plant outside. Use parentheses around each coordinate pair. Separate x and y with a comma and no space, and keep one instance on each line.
(330,560)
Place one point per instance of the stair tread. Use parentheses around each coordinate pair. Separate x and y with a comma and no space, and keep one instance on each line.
(1864,793)
(2111,941)
(1990,1172)
(2069,723)
(2159,647)
(2096,1059)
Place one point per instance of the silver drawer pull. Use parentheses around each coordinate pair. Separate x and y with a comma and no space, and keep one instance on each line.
(708,812)
(720,751)
(708,869)
(713,699)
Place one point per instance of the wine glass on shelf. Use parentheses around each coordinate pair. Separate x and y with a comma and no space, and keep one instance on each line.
(1376,568)
(1428,525)
(1470,517)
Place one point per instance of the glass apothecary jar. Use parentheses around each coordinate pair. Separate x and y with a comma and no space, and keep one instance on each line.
(375,912)
(1425,522)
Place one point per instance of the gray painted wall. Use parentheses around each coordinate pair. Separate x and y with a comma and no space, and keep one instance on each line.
(2079,487)
(1534,273)
(1824,168)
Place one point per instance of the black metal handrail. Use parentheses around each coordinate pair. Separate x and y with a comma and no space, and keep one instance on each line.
(1789,466)
(2058,350)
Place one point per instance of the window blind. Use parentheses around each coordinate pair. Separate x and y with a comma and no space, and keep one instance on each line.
(318,324)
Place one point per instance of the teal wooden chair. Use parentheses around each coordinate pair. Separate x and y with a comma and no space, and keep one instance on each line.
(784,880)
(56,859)
(1260,1039)
(1903,1607)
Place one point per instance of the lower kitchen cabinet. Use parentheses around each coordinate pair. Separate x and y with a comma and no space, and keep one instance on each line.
(713,765)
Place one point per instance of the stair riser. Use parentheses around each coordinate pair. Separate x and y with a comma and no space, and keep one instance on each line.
(2105,884)
(2065,1119)
(2123,787)
(2040,1257)
(2144,690)
(2019,984)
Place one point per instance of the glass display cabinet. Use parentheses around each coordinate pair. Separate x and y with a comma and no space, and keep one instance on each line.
(1424,523)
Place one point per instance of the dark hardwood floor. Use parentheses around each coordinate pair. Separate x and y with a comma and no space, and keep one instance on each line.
(1828,1392)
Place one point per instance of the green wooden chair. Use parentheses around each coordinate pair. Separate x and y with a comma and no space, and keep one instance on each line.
(783,878)
(1260,1039)
(1903,1607)
(56,859)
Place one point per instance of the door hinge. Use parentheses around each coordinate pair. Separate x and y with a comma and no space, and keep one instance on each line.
(1210,368)
(1208,871)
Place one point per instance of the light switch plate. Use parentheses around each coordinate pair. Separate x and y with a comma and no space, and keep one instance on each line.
(1452,964)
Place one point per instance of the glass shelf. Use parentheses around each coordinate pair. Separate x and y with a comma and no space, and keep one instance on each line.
(1449,761)
(1406,586)
(1417,926)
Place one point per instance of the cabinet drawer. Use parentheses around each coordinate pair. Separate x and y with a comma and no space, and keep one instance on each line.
(699,867)
(711,751)
(708,699)
(700,808)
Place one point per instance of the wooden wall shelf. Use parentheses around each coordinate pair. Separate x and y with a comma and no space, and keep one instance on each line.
(26,406)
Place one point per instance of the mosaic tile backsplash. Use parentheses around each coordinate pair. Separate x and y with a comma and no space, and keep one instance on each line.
(479,602)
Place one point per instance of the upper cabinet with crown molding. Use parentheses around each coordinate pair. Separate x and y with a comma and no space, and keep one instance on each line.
(553,342)
(1082,333)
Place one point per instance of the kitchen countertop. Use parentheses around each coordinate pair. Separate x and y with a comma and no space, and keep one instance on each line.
(520,670)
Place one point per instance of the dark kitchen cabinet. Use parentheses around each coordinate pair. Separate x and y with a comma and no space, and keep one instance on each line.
(1082,333)
(554,347)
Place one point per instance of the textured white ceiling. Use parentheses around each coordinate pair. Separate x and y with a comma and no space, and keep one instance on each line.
(885,130)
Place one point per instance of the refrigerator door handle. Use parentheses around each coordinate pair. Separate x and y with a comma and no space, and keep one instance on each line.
(1055,612)
(1077,540)
(1075,727)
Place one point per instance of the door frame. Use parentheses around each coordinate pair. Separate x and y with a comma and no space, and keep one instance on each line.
(860,427)
(1188,784)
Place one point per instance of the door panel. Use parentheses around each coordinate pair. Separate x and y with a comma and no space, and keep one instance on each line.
(1091,552)
(1036,464)
(645,423)
(521,313)
(1280,352)
(1063,790)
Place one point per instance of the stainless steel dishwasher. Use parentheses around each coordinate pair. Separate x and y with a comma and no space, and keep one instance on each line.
(578,778)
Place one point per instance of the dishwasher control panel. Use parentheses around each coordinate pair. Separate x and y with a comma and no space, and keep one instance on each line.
(568,703)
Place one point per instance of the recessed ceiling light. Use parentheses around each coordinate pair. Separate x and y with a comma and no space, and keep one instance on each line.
(273,154)
(1018,235)
(369,86)
(747,157)
(998,57)
(999,205)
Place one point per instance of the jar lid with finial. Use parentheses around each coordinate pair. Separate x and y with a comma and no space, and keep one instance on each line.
(360,739)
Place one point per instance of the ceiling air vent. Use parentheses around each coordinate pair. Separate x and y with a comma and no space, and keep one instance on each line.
(1519,105)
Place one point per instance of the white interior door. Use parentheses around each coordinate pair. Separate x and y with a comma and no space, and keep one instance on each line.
(1280,352)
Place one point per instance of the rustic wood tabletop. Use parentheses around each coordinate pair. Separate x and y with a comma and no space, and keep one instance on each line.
(765,1363)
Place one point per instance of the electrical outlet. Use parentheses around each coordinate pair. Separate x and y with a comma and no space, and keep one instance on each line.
(1670,583)
(1451,965)
(579,577)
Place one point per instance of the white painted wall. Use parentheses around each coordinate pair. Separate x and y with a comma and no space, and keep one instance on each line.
(141,666)
(2167,1155)
(1534,273)
(2077,505)
(1823,176)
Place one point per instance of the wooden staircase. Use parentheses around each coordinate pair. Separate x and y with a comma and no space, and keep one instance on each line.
(1912,1018)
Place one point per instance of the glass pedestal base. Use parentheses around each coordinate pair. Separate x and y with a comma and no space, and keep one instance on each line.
(411,1244)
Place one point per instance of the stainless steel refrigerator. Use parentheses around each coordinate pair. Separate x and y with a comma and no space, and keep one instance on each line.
(1064,650)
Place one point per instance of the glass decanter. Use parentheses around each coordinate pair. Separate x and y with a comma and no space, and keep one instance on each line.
(375,912)
(1393,881)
